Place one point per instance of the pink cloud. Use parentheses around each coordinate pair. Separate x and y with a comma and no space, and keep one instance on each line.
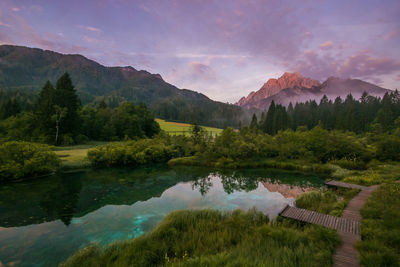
(91,29)
(326,45)
(364,65)
(90,39)
(359,65)
(392,35)
(202,70)
(308,35)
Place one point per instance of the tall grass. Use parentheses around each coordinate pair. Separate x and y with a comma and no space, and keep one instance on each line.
(327,202)
(214,238)
(380,227)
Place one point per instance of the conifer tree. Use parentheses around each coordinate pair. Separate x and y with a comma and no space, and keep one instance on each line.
(268,126)
(10,108)
(66,97)
(44,109)
(254,122)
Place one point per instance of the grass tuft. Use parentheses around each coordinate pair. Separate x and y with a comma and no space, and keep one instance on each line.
(326,202)
(214,238)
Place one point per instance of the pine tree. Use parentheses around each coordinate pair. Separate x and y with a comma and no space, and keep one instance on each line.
(44,109)
(385,116)
(254,122)
(10,108)
(268,126)
(66,97)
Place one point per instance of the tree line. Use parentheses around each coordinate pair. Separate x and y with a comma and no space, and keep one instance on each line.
(368,114)
(57,117)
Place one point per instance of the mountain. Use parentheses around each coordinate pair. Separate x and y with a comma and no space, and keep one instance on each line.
(294,88)
(25,70)
(274,86)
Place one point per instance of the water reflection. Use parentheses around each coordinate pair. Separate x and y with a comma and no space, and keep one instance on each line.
(286,190)
(43,222)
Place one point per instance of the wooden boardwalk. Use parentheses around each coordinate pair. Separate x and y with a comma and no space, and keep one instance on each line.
(338,223)
(346,185)
(348,226)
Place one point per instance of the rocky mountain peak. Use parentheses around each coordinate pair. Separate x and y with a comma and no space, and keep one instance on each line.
(273,86)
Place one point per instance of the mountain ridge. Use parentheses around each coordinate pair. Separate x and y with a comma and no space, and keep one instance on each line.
(313,90)
(24,69)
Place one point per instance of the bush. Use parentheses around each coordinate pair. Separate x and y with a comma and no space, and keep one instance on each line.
(133,153)
(388,149)
(67,140)
(81,139)
(22,159)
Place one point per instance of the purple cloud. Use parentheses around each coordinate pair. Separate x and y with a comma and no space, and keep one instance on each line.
(223,48)
(201,70)
(326,45)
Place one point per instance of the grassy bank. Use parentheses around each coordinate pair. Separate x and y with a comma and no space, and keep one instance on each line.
(330,202)
(291,165)
(213,238)
(380,227)
(376,172)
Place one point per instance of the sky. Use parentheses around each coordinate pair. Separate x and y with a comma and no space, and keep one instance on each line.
(222,48)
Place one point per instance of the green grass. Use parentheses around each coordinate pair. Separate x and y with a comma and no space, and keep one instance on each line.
(376,173)
(380,227)
(87,145)
(273,163)
(330,202)
(73,157)
(172,127)
(214,238)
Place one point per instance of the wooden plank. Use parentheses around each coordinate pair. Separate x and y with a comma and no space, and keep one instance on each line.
(345,185)
(346,225)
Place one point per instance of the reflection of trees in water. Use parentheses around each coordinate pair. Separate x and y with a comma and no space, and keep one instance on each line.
(230,183)
(203,184)
(62,201)
(65,196)
(236,182)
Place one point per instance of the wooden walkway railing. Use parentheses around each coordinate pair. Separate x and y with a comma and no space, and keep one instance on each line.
(348,226)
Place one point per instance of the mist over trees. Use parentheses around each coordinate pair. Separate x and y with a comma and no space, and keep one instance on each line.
(368,114)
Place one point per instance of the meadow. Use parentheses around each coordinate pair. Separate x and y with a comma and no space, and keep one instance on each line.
(183,128)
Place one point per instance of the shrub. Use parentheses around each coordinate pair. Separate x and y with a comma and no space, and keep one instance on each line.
(67,140)
(388,149)
(23,159)
(133,153)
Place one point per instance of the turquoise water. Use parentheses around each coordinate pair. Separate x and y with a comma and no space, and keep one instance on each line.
(43,222)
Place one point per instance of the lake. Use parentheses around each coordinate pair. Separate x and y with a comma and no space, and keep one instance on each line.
(43,222)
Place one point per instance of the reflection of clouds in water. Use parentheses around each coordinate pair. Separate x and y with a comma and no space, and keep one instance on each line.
(53,241)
